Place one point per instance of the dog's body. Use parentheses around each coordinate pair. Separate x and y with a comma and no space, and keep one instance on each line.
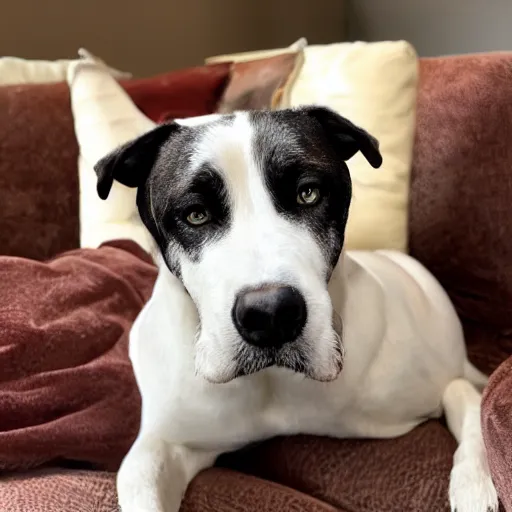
(379,347)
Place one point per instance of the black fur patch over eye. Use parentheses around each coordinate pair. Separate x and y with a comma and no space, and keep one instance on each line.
(205,192)
(174,189)
(294,153)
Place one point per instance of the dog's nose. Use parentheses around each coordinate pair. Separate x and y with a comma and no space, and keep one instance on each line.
(270,316)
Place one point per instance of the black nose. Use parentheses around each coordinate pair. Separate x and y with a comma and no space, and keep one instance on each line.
(270,316)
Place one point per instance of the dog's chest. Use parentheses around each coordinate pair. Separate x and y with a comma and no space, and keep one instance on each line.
(272,402)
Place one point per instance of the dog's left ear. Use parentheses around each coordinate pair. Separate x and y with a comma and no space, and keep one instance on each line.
(348,137)
(131,163)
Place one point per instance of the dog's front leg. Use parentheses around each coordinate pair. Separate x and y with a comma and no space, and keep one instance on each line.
(155,474)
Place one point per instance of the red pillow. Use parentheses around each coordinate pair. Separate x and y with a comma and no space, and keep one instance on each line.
(178,94)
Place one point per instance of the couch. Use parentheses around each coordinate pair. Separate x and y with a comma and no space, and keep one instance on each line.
(459,226)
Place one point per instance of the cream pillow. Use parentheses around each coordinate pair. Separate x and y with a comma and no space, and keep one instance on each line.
(373,85)
(14,70)
(105,117)
(298,45)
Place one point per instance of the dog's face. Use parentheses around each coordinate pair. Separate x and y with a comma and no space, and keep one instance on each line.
(249,211)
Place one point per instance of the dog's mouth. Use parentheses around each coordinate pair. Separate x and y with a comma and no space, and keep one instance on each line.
(297,357)
(302,356)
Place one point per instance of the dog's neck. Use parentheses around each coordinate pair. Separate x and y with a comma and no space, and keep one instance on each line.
(337,286)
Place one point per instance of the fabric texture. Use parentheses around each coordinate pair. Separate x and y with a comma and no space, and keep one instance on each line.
(38,171)
(407,473)
(58,490)
(497,430)
(260,84)
(374,85)
(67,389)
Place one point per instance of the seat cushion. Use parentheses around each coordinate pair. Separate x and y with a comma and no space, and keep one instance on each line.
(407,473)
(285,474)
(59,490)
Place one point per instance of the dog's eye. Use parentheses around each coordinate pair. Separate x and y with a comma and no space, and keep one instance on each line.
(198,216)
(308,195)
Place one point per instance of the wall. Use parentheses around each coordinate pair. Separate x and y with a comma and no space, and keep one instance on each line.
(435,27)
(152,36)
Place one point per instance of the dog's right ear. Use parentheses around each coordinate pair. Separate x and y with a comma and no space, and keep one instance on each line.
(131,163)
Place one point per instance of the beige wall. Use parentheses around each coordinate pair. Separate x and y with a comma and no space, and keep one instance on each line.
(434,27)
(152,36)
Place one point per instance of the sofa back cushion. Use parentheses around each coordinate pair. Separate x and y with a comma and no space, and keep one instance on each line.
(461,189)
(38,172)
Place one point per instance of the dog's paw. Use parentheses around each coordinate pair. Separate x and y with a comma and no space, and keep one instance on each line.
(141,498)
(471,487)
(151,478)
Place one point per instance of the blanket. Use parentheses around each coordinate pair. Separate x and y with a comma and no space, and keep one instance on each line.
(67,389)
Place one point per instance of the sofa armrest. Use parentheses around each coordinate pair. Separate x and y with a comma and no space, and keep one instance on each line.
(497,429)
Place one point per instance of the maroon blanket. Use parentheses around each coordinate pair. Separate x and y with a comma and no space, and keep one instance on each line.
(66,383)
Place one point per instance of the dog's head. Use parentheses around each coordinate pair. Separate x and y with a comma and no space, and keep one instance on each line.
(249,211)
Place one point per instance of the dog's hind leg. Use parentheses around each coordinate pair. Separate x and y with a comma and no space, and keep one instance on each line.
(471,486)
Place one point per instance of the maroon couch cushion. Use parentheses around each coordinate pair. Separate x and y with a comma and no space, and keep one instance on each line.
(67,390)
(461,193)
(38,171)
(58,490)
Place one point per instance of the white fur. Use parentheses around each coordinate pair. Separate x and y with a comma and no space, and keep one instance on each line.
(405,355)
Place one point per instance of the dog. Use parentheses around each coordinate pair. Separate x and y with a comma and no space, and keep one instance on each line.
(261,324)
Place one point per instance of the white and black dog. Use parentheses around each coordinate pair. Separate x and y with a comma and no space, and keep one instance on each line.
(261,325)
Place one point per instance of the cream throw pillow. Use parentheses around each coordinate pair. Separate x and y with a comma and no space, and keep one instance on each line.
(105,117)
(297,46)
(373,85)
(14,70)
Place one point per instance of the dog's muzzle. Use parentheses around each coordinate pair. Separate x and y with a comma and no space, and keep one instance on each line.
(270,316)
